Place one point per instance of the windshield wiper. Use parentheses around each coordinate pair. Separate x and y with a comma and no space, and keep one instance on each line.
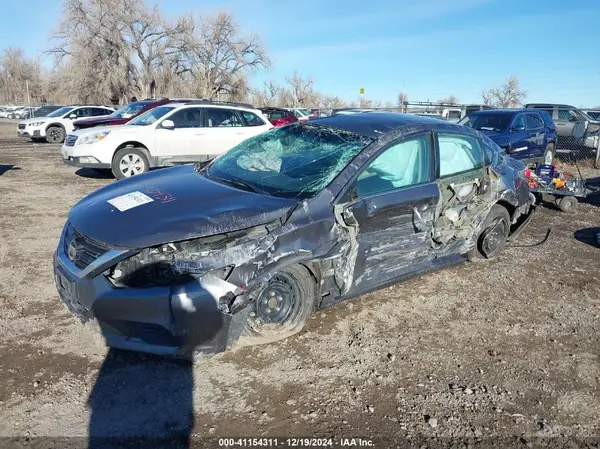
(238,183)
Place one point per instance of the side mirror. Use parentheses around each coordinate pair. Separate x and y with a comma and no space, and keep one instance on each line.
(517,129)
(72,116)
(167,124)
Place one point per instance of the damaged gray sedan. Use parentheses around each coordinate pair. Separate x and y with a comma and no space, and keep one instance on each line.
(195,259)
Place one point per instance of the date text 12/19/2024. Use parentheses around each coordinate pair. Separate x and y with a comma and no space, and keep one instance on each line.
(294,442)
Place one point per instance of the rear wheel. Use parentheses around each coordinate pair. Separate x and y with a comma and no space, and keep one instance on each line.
(549,154)
(129,162)
(55,134)
(281,308)
(492,238)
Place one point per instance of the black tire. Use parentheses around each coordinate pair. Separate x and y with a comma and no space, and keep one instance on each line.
(567,204)
(281,308)
(549,153)
(138,162)
(55,134)
(492,238)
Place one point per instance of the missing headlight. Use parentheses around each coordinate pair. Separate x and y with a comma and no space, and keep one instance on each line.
(179,262)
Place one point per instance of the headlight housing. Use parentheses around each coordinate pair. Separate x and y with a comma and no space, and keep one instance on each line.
(92,138)
(177,263)
(36,123)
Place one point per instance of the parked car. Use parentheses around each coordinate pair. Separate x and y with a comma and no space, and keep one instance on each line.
(43,111)
(9,112)
(453,114)
(123,115)
(24,113)
(525,134)
(55,126)
(593,113)
(302,114)
(345,111)
(185,260)
(279,116)
(576,130)
(170,134)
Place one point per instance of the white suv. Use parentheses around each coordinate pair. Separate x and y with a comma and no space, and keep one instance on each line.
(56,125)
(165,135)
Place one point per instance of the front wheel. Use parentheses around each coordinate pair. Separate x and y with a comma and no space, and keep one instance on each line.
(492,238)
(129,162)
(281,308)
(55,134)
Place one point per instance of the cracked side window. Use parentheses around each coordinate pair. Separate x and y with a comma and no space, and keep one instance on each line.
(458,154)
(404,164)
(296,161)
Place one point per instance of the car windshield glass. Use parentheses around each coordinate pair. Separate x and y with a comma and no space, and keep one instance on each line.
(296,161)
(150,116)
(61,111)
(128,111)
(487,122)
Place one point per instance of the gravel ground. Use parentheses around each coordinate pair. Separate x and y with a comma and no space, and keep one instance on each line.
(504,353)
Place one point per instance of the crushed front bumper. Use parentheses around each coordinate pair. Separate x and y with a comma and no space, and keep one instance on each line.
(173,321)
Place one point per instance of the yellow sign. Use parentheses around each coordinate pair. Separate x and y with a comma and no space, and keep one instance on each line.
(362,90)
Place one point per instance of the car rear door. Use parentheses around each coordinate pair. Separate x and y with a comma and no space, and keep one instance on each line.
(392,208)
(536,133)
(223,129)
(564,122)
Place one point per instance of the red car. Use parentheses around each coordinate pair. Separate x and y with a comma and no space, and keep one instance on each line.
(123,115)
(279,116)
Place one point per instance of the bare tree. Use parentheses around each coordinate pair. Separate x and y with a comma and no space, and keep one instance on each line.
(301,91)
(216,56)
(509,95)
(402,100)
(17,74)
(486,97)
(450,100)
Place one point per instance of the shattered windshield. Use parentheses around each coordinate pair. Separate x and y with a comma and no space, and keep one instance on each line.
(295,161)
(487,122)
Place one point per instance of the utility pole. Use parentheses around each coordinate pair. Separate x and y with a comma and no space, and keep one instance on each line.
(27,87)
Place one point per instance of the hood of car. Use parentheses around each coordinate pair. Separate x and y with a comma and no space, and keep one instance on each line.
(35,120)
(498,137)
(111,127)
(169,205)
(104,120)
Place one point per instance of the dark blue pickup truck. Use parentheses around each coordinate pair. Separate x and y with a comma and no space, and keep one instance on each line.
(525,134)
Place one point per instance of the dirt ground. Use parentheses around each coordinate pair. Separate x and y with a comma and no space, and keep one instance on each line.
(504,353)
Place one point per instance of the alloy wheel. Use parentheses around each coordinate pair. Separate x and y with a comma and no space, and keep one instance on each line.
(131,165)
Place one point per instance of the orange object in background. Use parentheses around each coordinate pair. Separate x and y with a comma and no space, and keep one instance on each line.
(559,183)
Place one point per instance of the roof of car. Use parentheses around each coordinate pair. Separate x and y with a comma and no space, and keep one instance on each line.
(551,105)
(374,124)
(502,111)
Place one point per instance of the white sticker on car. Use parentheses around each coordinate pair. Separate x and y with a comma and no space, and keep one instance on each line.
(130,200)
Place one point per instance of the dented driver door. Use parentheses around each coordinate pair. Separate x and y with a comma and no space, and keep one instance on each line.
(392,212)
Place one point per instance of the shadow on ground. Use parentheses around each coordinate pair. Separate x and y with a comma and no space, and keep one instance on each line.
(141,401)
(588,235)
(4,168)
(95,173)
